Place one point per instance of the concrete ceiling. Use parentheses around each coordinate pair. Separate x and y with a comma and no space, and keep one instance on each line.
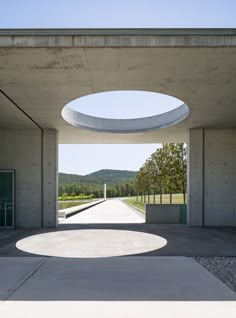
(43,70)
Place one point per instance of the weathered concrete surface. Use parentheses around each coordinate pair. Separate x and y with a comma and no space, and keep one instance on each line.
(195,177)
(111,211)
(33,155)
(43,70)
(220,177)
(117,37)
(136,287)
(21,150)
(14,271)
(212,177)
(50,177)
(135,125)
(163,213)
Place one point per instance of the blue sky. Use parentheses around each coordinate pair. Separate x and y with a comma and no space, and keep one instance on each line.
(117,13)
(114,14)
(124,104)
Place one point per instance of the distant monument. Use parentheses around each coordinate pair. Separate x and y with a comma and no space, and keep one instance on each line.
(105,191)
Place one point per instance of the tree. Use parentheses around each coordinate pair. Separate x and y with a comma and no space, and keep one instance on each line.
(164,172)
(141,183)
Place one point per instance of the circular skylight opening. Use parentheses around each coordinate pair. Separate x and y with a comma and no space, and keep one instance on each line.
(125,111)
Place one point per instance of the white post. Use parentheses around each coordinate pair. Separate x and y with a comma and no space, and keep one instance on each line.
(105,191)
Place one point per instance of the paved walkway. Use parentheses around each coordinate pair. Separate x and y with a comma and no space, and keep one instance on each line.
(111,211)
(74,271)
(133,287)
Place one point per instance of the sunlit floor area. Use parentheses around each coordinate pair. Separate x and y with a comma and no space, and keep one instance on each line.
(111,211)
(89,243)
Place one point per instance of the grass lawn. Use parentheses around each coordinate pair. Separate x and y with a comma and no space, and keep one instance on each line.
(133,202)
(65,205)
(176,199)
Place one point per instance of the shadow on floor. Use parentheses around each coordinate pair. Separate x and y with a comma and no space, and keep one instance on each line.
(182,240)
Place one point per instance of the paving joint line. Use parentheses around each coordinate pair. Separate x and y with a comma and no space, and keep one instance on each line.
(22,280)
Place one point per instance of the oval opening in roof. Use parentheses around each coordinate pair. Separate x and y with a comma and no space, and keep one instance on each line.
(125,111)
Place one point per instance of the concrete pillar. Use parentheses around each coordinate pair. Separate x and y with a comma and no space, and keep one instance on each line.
(212,177)
(220,177)
(33,156)
(50,177)
(21,150)
(195,178)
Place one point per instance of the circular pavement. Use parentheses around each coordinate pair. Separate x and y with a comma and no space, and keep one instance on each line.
(91,243)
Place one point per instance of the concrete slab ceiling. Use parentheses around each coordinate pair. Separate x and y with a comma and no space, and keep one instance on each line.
(43,70)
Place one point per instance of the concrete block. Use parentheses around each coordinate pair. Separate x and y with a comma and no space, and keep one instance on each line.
(164,213)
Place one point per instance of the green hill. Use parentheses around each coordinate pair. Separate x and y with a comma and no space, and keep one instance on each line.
(119,183)
(109,176)
(100,177)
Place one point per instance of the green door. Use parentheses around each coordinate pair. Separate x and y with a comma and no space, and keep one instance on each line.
(7,198)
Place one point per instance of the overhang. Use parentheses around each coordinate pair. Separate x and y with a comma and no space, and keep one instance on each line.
(42,70)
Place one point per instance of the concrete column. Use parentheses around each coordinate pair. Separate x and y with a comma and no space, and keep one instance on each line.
(21,150)
(220,177)
(195,177)
(33,156)
(50,177)
(212,177)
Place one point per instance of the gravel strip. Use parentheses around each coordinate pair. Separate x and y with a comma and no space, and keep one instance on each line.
(224,268)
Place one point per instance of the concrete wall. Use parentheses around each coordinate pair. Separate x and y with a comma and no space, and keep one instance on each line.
(195,177)
(220,177)
(35,173)
(212,177)
(164,213)
(50,177)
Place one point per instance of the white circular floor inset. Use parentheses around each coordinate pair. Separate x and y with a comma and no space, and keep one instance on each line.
(91,243)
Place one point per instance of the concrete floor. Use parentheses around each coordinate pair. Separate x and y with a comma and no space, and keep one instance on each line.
(91,243)
(111,287)
(111,211)
(72,282)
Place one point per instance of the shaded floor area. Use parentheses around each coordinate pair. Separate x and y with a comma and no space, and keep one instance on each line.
(101,268)
(114,229)
(181,240)
(111,287)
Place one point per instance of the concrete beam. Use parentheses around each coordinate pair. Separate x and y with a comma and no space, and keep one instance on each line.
(116,37)
(120,31)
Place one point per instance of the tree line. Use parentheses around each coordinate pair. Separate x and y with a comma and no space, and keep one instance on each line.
(122,189)
(165,171)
